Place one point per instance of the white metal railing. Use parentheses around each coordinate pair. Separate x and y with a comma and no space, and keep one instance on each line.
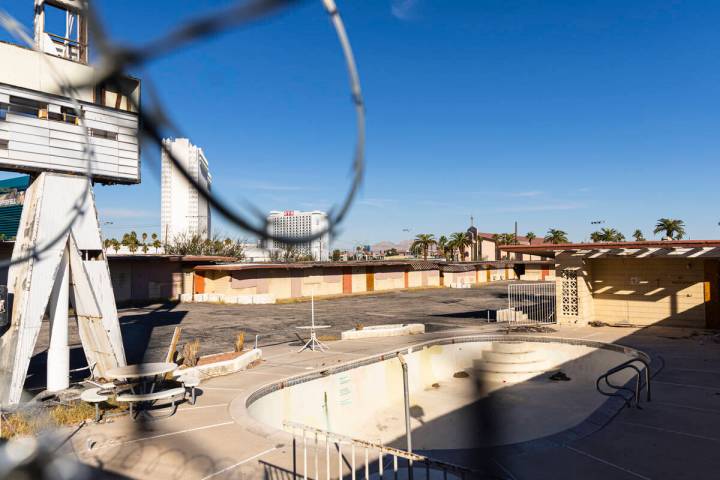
(529,303)
(376,461)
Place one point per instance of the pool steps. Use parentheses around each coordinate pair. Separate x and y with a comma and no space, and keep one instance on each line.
(510,362)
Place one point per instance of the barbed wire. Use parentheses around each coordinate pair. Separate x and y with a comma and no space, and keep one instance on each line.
(113,63)
(115,60)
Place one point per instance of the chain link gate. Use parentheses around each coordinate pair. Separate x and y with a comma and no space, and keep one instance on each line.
(529,303)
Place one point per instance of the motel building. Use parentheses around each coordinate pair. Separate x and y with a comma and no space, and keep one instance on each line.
(668,283)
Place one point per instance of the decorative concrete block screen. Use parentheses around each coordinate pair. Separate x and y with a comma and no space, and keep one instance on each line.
(569,293)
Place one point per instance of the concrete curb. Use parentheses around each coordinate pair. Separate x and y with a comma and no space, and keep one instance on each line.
(384,331)
(225,367)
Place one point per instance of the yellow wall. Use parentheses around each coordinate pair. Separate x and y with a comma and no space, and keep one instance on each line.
(358,279)
(648,291)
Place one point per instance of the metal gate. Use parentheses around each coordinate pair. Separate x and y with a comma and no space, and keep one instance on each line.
(529,303)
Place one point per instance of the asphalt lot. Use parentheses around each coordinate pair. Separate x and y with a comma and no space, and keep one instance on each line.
(148,331)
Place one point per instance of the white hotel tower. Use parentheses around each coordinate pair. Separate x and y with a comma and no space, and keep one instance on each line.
(294,224)
(184,211)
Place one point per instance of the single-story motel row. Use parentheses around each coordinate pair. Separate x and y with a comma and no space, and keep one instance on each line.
(139,278)
(673,283)
(637,283)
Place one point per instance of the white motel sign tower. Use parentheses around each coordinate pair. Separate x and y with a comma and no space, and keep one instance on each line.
(45,133)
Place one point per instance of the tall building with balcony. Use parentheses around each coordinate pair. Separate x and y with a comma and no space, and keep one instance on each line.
(296,224)
(184,210)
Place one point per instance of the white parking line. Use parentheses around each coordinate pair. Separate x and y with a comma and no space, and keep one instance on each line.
(607,463)
(120,444)
(237,389)
(676,432)
(200,407)
(686,407)
(703,387)
(239,463)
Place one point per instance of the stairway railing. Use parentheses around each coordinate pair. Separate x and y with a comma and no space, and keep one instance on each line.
(318,443)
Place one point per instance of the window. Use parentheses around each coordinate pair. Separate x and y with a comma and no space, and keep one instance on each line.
(97,133)
(25,106)
(67,115)
(4,144)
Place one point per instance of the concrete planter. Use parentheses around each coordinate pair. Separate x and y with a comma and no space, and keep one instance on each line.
(384,331)
(224,367)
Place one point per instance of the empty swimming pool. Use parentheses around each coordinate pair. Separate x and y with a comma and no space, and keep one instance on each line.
(465,392)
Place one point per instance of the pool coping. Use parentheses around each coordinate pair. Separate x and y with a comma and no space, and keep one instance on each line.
(598,419)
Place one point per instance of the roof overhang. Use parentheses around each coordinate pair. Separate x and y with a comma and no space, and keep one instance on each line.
(647,249)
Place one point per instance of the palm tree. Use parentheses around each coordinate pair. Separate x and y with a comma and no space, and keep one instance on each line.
(130,240)
(107,243)
(459,240)
(607,235)
(503,239)
(530,236)
(115,245)
(155,242)
(674,228)
(422,243)
(556,236)
(638,235)
(442,245)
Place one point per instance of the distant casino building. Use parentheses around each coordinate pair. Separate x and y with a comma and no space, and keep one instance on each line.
(12,196)
(295,224)
(184,211)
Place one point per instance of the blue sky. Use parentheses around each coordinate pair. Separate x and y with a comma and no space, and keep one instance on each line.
(549,113)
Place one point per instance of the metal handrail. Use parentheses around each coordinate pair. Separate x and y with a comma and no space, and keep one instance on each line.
(638,383)
(317,435)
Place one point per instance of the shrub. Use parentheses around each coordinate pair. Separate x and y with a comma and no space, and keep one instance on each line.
(240,342)
(359,326)
(191,353)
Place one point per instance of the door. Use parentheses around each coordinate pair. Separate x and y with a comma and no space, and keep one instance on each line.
(487,275)
(199,283)
(545,272)
(370,279)
(406,276)
(347,279)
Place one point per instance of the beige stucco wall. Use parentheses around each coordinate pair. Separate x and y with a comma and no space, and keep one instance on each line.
(359,282)
(284,283)
(639,291)
(389,278)
(533,273)
(649,291)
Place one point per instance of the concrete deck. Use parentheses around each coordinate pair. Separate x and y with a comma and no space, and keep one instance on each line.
(675,436)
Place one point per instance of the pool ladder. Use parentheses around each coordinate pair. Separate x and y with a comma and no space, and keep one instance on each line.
(639,385)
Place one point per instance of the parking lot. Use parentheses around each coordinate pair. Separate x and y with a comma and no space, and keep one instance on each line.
(147,331)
